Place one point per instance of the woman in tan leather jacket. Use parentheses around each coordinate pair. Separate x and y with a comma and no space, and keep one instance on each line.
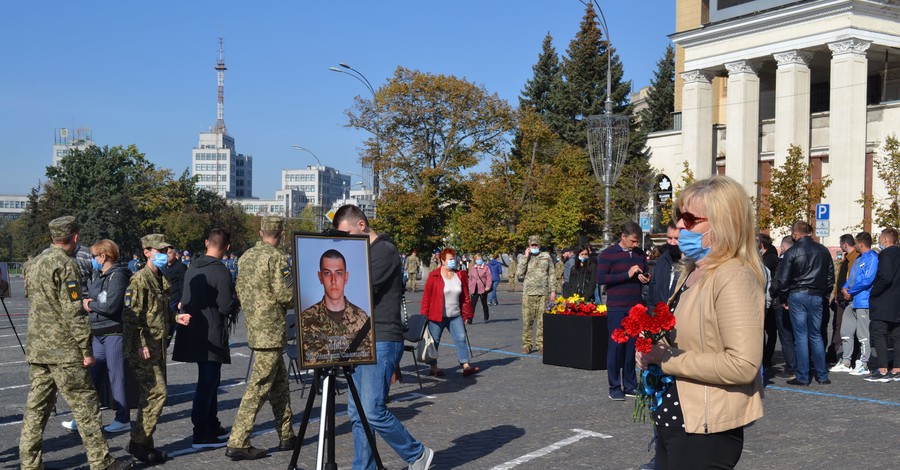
(716,350)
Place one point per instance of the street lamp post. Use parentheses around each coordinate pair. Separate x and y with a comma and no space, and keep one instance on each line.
(319,191)
(365,81)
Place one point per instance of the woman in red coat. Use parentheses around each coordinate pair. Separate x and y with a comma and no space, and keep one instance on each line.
(447,305)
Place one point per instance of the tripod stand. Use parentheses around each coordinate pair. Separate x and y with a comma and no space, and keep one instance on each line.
(12,325)
(326,423)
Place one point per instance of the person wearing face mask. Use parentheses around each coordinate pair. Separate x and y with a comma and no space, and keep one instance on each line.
(885,303)
(583,276)
(104,305)
(480,282)
(535,270)
(715,353)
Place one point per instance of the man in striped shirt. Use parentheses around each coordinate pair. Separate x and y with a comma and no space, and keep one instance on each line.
(621,267)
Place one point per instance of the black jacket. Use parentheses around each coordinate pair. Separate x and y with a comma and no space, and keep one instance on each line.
(108,292)
(805,267)
(884,299)
(208,296)
(582,280)
(175,274)
(387,289)
(660,287)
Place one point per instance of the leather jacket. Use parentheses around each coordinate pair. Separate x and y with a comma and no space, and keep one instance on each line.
(805,267)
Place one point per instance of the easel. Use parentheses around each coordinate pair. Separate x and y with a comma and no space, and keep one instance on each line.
(326,423)
(11,324)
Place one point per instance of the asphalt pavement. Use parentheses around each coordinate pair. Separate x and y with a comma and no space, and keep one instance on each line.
(516,413)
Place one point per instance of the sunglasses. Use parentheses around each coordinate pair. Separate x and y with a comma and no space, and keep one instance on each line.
(690,220)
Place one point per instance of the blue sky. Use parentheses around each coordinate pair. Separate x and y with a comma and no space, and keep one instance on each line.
(142,72)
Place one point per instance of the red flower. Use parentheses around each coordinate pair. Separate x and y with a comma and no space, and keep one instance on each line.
(643,345)
(619,336)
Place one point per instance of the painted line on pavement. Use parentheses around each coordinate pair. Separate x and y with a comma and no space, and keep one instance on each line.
(14,386)
(11,363)
(833,395)
(220,386)
(13,346)
(580,434)
(499,351)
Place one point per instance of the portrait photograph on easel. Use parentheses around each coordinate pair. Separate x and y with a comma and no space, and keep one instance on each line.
(334,296)
(5,291)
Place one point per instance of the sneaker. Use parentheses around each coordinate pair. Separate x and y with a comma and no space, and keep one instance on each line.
(895,376)
(287,444)
(841,367)
(861,369)
(70,425)
(877,376)
(823,382)
(616,395)
(630,394)
(651,465)
(120,464)
(116,426)
(219,432)
(786,375)
(424,460)
(208,442)
(245,453)
(794,381)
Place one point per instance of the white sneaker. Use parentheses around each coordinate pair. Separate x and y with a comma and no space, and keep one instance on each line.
(424,461)
(861,369)
(840,367)
(70,425)
(116,426)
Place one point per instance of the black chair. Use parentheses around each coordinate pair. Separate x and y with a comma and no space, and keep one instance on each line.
(415,331)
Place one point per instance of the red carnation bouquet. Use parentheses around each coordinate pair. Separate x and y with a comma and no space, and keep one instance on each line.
(647,328)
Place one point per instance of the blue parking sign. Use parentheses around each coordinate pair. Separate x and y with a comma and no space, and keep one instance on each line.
(822,211)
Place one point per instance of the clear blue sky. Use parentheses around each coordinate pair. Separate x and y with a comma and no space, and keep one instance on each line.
(142,73)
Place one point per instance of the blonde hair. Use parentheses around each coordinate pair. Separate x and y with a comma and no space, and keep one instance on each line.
(108,248)
(731,222)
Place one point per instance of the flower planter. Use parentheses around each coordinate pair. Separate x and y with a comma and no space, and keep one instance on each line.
(575,341)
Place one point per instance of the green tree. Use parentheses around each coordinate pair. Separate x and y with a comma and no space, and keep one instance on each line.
(657,116)
(432,128)
(887,166)
(687,177)
(791,193)
(538,92)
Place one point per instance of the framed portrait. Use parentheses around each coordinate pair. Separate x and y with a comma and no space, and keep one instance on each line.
(4,280)
(334,297)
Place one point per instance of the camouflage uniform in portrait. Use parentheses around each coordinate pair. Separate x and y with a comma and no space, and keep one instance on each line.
(59,341)
(265,288)
(146,321)
(412,270)
(325,341)
(537,276)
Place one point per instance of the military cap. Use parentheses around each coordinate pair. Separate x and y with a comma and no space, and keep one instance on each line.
(271,223)
(63,226)
(155,240)
(534,240)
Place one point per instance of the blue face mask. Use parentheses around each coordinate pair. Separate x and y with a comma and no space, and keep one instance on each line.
(479,262)
(583,258)
(535,251)
(451,264)
(691,245)
(97,266)
(160,260)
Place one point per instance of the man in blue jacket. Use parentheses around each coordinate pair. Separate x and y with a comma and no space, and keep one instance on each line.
(496,272)
(856,319)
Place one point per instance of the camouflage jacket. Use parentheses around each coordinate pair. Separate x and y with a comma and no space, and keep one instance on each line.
(146,314)
(265,288)
(537,274)
(413,264)
(59,331)
(559,266)
(82,257)
(324,341)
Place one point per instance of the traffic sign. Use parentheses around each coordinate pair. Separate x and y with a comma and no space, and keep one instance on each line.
(822,212)
(330,215)
(823,224)
(822,232)
(645,221)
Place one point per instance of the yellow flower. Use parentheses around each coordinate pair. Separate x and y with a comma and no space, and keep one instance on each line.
(601,308)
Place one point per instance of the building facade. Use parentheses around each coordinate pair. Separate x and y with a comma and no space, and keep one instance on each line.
(65,140)
(12,206)
(754,77)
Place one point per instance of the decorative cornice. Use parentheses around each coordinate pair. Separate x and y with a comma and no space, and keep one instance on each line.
(849,46)
(742,66)
(696,76)
(794,57)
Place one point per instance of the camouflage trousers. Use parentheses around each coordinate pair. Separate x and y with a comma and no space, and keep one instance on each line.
(268,377)
(512,284)
(411,282)
(151,378)
(533,311)
(75,386)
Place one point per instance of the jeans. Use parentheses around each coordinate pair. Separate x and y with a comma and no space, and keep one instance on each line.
(108,349)
(457,329)
(205,412)
(492,296)
(786,336)
(806,318)
(856,321)
(373,383)
(619,357)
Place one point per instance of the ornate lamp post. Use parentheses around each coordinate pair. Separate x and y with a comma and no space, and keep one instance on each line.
(319,171)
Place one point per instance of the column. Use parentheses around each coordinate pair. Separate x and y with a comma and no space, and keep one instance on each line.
(792,117)
(696,122)
(847,132)
(742,137)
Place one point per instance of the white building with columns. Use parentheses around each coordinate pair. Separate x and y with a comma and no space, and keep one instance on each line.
(757,76)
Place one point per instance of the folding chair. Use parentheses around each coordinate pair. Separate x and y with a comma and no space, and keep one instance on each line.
(415,331)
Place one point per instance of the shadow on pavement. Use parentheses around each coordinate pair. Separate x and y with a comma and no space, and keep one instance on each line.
(471,447)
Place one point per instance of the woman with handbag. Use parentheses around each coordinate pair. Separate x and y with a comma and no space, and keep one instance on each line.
(447,305)
(481,282)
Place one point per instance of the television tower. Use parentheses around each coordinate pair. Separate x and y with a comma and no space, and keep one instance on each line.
(220,115)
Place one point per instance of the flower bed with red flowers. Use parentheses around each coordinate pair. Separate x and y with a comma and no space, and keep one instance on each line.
(576,305)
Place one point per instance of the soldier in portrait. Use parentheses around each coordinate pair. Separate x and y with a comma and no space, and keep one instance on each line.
(266,290)
(335,330)
(59,352)
(147,320)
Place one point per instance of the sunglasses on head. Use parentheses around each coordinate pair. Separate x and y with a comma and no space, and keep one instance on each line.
(690,220)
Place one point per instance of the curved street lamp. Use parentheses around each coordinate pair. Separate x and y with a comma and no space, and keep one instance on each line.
(319,171)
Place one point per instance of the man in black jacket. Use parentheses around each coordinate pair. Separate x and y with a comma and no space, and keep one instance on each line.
(210,311)
(174,272)
(884,302)
(665,277)
(805,277)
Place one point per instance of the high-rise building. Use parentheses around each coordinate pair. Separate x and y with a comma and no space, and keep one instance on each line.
(65,140)
(215,161)
(320,185)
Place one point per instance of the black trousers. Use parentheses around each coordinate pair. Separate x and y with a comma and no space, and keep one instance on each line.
(878,335)
(484,304)
(771,331)
(677,450)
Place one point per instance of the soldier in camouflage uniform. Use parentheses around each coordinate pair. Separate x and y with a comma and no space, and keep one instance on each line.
(335,330)
(412,270)
(59,352)
(265,288)
(535,270)
(146,325)
(511,273)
